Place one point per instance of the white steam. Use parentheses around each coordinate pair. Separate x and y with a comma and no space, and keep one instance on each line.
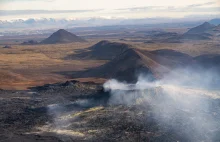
(182,101)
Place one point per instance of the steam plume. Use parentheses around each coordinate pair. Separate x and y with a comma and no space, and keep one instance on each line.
(183,100)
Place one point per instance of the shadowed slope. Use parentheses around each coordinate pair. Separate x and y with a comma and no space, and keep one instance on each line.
(172,58)
(208,60)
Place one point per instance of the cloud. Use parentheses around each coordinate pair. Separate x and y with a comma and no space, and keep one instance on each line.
(138,8)
(86,8)
(6,1)
(201,4)
(202,7)
(30,12)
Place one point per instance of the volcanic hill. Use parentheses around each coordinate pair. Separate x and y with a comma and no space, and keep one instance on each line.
(103,50)
(201,28)
(132,62)
(127,62)
(62,36)
(206,31)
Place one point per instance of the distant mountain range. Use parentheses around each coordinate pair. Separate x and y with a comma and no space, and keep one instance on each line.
(45,23)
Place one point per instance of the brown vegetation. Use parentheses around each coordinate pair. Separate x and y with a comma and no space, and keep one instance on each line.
(31,65)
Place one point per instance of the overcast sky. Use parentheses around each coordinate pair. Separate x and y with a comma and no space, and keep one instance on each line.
(16,9)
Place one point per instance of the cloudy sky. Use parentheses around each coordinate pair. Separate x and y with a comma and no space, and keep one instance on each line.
(77,9)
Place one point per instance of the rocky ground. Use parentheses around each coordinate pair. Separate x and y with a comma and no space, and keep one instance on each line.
(75,111)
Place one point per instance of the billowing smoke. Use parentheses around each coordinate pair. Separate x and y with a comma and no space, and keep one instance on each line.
(184,101)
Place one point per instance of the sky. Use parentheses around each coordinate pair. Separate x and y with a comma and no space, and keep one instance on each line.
(79,9)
